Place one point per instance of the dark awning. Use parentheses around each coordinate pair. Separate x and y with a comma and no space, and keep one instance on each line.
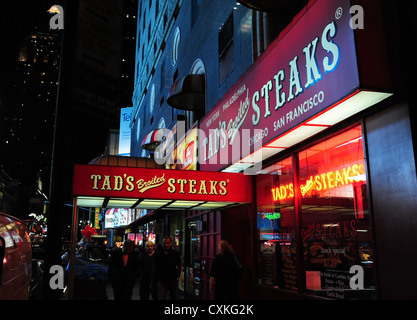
(188,93)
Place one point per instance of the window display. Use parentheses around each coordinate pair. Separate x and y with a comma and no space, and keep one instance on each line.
(276,226)
(333,217)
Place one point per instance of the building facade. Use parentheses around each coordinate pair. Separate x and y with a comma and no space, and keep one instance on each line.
(316,106)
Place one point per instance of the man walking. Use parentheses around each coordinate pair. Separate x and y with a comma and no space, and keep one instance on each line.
(168,271)
(123,271)
(146,279)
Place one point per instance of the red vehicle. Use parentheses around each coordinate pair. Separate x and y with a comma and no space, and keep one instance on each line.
(15,259)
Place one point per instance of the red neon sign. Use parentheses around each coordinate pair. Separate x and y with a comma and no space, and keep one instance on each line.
(322,182)
(283,192)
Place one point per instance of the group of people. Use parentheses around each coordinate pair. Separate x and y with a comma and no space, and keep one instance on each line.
(158,271)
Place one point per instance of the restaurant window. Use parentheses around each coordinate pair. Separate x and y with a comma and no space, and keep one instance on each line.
(276,226)
(335,227)
(330,201)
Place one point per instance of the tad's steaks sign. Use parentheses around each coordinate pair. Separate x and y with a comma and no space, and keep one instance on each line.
(126,182)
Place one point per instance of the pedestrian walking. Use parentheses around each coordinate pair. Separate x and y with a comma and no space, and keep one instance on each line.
(147,281)
(123,271)
(225,273)
(168,270)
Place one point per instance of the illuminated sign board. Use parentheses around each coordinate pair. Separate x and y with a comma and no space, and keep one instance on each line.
(271,215)
(306,72)
(181,155)
(97,218)
(187,151)
(109,219)
(127,182)
(124,131)
(116,217)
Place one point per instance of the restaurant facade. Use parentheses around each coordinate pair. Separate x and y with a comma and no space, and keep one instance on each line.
(306,165)
(297,121)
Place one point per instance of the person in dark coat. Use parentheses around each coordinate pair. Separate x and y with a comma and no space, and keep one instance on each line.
(147,281)
(123,271)
(225,273)
(168,270)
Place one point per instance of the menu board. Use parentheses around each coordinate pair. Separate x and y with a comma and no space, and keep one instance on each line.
(288,267)
(279,265)
(332,258)
(268,265)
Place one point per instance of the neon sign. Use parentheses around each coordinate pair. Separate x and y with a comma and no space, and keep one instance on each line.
(322,182)
(283,192)
(271,215)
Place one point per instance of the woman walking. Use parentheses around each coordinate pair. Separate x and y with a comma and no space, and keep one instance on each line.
(225,273)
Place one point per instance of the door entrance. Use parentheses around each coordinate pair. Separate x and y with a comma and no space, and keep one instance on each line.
(203,233)
(200,193)
(192,259)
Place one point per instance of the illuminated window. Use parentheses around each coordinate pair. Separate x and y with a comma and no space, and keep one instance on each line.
(276,228)
(176,46)
(226,61)
(161,123)
(152,99)
(330,201)
(137,128)
(334,215)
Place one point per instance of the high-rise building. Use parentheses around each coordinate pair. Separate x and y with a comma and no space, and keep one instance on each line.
(28,119)
(128,50)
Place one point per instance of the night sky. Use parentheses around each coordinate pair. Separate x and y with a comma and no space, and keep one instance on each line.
(17,20)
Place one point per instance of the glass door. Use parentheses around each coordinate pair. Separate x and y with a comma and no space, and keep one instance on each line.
(193,259)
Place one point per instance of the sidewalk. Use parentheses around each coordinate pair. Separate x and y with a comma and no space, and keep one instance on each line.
(135,294)
(110,295)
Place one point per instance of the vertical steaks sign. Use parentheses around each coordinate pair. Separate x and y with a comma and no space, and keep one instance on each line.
(306,71)
(126,182)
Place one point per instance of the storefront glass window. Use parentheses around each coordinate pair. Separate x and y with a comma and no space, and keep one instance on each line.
(330,201)
(335,230)
(276,226)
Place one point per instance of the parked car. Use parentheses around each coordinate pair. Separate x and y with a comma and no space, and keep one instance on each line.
(15,259)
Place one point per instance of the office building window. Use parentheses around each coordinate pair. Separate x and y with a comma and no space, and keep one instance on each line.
(226,63)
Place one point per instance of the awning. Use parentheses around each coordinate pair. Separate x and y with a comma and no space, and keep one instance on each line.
(152,204)
(144,188)
(188,93)
(109,186)
(153,139)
